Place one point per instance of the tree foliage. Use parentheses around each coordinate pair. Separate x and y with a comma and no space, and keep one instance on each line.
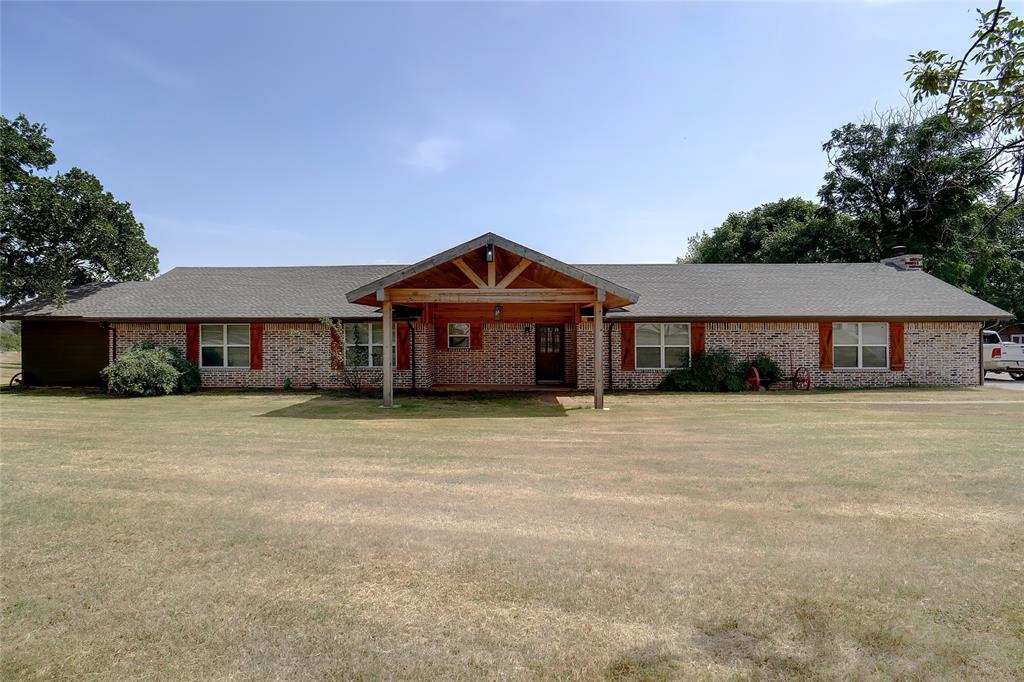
(983,87)
(62,230)
(905,180)
(895,181)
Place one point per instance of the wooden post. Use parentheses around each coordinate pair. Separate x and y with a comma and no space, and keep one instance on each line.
(598,355)
(389,396)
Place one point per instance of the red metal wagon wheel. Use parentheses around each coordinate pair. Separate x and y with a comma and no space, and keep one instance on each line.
(753,382)
(802,379)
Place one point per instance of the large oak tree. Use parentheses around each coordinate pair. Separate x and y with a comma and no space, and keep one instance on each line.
(60,230)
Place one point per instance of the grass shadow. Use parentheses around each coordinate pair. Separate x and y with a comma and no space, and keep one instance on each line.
(460,406)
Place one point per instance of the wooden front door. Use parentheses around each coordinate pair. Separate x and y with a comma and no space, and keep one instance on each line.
(550,353)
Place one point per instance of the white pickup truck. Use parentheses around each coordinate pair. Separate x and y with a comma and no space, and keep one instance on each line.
(1002,356)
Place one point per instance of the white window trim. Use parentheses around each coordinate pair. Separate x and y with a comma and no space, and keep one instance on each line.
(224,345)
(468,336)
(1017,338)
(860,346)
(661,326)
(370,343)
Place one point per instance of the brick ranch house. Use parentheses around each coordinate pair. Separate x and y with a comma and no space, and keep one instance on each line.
(492,312)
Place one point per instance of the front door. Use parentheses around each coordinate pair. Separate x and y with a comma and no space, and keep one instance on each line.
(550,353)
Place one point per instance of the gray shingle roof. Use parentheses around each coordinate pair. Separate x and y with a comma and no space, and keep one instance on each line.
(826,290)
(688,291)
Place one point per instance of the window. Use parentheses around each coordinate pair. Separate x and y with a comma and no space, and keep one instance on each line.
(364,344)
(860,345)
(1017,338)
(662,346)
(224,345)
(458,335)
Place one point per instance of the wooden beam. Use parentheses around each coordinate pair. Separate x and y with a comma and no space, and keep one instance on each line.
(468,272)
(598,355)
(492,273)
(513,274)
(491,295)
(389,393)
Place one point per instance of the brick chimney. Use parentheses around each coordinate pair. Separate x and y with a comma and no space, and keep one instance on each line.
(901,260)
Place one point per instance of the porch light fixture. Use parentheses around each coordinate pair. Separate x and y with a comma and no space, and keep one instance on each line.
(497,313)
(489,253)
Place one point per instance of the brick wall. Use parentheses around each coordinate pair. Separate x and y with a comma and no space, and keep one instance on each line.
(508,356)
(937,353)
(297,351)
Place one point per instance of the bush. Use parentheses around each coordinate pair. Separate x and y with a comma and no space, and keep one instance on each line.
(188,372)
(714,370)
(766,367)
(147,370)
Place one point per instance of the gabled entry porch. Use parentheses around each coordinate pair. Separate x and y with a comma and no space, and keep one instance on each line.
(491,284)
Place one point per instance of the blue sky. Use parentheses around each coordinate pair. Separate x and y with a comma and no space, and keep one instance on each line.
(325,133)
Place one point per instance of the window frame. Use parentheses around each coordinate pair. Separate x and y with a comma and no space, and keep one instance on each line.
(468,335)
(860,345)
(1017,338)
(224,345)
(370,343)
(662,346)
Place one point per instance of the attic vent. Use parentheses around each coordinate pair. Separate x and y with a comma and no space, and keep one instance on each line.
(901,260)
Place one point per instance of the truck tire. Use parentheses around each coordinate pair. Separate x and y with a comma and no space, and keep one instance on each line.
(1017,376)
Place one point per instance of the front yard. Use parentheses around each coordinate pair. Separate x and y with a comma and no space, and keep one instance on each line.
(869,535)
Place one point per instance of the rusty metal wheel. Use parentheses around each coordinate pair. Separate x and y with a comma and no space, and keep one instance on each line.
(753,382)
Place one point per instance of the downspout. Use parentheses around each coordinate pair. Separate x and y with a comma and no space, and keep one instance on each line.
(610,383)
(412,352)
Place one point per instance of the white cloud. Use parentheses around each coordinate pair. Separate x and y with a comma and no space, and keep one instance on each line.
(432,154)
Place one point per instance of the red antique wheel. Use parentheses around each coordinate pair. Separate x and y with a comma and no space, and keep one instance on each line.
(802,379)
(753,382)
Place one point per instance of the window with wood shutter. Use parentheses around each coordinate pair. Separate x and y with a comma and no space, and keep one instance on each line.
(825,346)
(403,349)
(628,341)
(224,345)
(458,335)
(662,346)
(896,347)
(860,345)
(364,344)
(256,346)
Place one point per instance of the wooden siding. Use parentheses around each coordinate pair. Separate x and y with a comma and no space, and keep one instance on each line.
(64,353)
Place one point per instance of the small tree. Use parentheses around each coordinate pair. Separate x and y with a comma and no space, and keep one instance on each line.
(352,379)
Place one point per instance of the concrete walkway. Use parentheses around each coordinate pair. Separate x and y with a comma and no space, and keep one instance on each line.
(1003,380)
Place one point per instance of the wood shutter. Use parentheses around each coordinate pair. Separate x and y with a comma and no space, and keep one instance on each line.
(896,347)
(476,336)
(825,346)
(402,347)
(628,334)
(337,350)
(440,335)
(256,346)
(696,337)
(192,343)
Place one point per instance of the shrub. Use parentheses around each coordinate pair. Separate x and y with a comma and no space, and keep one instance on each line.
(714,370)
(145,370)
(189,379)
(766,367)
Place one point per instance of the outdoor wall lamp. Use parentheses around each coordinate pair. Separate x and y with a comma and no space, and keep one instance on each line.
(489,253)
(497,313)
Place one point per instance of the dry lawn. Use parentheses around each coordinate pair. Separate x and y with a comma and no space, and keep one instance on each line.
(863,535)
